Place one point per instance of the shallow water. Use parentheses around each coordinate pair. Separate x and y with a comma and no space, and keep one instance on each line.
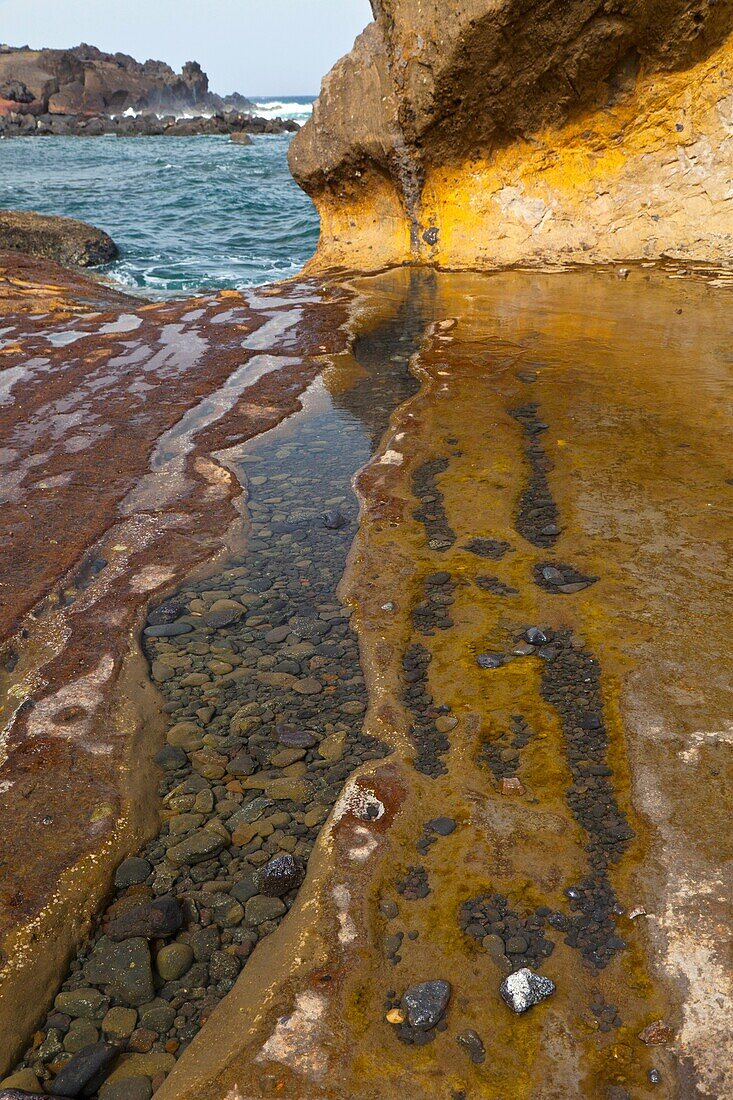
(188,214)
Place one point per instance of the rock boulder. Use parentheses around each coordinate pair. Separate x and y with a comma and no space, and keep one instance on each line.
(497,132)
(65,240)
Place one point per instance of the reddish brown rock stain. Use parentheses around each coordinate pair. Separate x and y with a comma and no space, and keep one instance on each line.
(78,433)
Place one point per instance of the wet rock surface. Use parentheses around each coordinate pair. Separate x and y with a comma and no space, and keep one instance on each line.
(65,240)
(508,860)
(266,700)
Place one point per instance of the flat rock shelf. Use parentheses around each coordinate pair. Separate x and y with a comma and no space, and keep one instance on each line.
(429,736)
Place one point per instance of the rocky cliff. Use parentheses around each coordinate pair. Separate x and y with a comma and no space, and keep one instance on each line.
(496,132)
(84,80)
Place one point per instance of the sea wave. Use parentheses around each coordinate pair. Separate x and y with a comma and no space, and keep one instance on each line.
(269,108)
(227,216)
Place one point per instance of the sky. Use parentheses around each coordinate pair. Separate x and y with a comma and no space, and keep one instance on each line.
(256,47)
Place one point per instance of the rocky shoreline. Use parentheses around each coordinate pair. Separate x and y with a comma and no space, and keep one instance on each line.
(25,124)
(353,807)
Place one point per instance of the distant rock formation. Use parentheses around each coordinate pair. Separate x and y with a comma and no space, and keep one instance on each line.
(20,124)
(84,80)
(65,240)
(499,132)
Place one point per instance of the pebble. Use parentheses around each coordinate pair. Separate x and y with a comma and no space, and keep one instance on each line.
(294,738)
(224,616)
(523,989)
(85,1003)
(173,960)
(132,871)
(123,967)
(131,1088)
(473,1045)
(279,875)
(261,908)
(86,1071)
(119,1022)
(201,846)
(149,919)
(656,1034)
(18,1085)
(490,660)
(166,612)
(425,1003)
(168,630)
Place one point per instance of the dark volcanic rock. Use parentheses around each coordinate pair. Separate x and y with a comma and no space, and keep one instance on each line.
(425,1003)
(86,1071)
(124,968)
(279,875)
(523,989)
(149,919)
(62,239)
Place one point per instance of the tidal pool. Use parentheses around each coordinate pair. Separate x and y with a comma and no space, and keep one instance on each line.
(480,705)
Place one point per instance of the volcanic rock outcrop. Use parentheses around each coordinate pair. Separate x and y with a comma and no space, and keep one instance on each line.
(84,80)
(65,240)
(496,132)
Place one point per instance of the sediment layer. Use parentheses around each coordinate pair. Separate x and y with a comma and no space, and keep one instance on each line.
(493,134)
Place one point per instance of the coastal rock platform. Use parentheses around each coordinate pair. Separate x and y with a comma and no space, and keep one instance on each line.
(365,646)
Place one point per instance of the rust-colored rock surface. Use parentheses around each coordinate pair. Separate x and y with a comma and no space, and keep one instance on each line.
(486,134)
(115,419)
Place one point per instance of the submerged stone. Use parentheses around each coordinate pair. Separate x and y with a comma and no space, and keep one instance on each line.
(167,613)
(425,1003)
(472,1043)
(86,1071)
(523,989)
(490,660)
(124,968)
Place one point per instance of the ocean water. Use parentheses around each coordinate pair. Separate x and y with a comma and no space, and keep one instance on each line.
(188,214)
(296,107)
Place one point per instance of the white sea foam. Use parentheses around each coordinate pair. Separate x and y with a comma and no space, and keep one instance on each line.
(275,108)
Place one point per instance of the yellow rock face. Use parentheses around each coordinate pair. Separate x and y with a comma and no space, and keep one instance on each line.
(495,134)
(651,176)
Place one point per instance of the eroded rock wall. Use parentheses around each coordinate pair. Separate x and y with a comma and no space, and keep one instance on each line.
(496,132)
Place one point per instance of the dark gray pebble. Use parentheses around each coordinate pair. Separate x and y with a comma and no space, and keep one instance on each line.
(490,660)
(472,1044)
(86,1071)
(279,875)
(425,1003)
(168,630)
